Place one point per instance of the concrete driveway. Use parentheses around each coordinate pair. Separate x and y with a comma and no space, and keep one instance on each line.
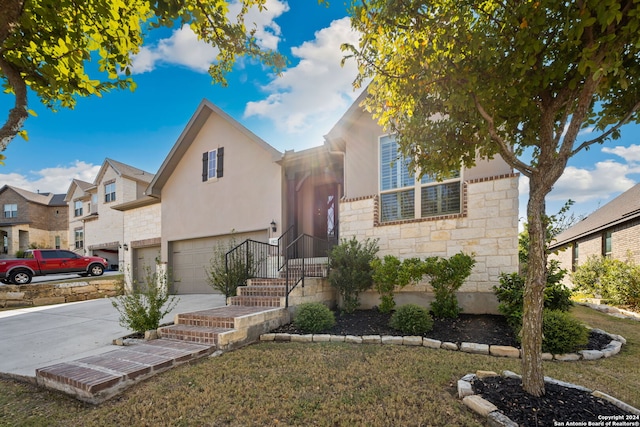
(36,337)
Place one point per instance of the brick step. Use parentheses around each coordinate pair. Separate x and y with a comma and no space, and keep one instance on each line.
(262,291)
(96,378)
(267,282)
(193,334)
(256,301)
(221,317)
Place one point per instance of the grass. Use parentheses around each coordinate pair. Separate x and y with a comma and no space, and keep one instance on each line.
(324,384)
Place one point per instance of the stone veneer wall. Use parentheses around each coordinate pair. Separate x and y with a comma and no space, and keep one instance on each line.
(58,293)
(487,227)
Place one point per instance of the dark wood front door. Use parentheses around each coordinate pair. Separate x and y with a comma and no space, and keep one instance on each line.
(325,222)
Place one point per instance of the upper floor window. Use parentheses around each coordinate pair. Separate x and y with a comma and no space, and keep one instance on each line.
(77,208)
(11,210)
(402,196)
(110,192)
(212,164)
(606,244)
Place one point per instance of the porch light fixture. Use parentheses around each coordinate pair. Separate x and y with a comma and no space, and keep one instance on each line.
(273,226)
(125,247)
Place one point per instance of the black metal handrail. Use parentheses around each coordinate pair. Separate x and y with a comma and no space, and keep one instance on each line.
(305,248)
(283,242)
(253,259)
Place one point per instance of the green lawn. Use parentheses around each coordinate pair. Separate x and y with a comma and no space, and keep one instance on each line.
(328,384)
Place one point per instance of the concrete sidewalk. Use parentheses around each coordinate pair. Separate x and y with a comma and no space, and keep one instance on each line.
(36,337)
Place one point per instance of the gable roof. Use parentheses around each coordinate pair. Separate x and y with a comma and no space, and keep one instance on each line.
(334,136)
(47,199)
(82,185)
(123,170)
(188,135)
(624,208)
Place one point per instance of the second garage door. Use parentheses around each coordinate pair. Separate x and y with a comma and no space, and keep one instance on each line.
(144,263)
(189,260)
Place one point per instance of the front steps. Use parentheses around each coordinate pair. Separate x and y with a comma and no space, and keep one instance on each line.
(259,308)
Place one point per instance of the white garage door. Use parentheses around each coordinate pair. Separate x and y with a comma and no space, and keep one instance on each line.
(144,263)
(190,258)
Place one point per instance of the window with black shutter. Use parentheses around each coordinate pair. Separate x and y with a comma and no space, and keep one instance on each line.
(212,164)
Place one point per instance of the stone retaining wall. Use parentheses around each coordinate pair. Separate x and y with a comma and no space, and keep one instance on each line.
(56,293)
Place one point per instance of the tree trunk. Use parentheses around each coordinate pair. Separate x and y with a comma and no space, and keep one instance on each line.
(532,374)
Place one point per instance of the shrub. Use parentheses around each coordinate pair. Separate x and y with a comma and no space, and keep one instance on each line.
(144,307)
(510,294)
(562,333)
(614,280)
(411,319)
(226,277)
(314,317)
(447,276)
(391,273)
(350,270)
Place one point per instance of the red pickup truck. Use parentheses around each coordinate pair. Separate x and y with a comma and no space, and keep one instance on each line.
(40,262)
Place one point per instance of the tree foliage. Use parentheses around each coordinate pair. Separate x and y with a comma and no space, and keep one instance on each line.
(47,45)
(459,80)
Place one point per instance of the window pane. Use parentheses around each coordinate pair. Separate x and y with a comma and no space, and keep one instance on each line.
(440,199)
(213,158)
(396,206)
(394,169)
(426,178)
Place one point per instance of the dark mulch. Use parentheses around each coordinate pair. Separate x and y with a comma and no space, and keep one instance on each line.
(478,328)
(559,405)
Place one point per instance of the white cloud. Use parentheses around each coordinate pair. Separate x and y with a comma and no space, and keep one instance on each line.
(314,93)
(184,49)
(629,154)
(52,180)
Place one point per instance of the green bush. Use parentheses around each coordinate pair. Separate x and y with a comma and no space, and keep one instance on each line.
(226,276)
(350,270)
(616,281)
(562,333)
(447,276)
(510,294)
(391,273)
(411,319)
(143,308)
(314,317)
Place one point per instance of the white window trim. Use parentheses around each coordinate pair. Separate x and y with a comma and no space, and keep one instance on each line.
(212,176)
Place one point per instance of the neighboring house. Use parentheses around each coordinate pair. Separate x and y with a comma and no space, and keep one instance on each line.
(94,227)
(221,181)
(611,231)
(32,220)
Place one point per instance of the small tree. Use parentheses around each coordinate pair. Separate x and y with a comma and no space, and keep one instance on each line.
(225,274)
(391,273)
(350,270)
(143,308)
(447,276)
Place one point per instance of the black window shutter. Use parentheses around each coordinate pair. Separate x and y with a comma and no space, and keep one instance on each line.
(220,164)
(205,166)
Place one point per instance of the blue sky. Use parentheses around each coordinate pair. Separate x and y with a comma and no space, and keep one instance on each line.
(292,111)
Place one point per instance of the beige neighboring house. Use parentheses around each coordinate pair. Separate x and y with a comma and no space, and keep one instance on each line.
(220,180)
(94,227)
(32,220)
(611,231)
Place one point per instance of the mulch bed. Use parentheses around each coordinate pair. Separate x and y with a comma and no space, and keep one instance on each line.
(558,405)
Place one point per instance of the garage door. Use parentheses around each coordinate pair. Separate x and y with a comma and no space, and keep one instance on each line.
(190,258)
(144,263)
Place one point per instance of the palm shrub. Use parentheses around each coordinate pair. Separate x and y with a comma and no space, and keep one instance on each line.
(350,270)
(225,277)
(390,273)
(447,276)
(411,319)
(314,317)
(143,308)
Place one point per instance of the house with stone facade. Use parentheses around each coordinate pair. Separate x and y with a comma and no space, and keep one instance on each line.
(220,181)
(94,227)
(32,220)
(611,231)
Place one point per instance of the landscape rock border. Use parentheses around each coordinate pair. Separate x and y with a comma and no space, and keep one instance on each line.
(611,349)
(496,418)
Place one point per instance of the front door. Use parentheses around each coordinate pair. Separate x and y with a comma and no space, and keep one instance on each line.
(325,221)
